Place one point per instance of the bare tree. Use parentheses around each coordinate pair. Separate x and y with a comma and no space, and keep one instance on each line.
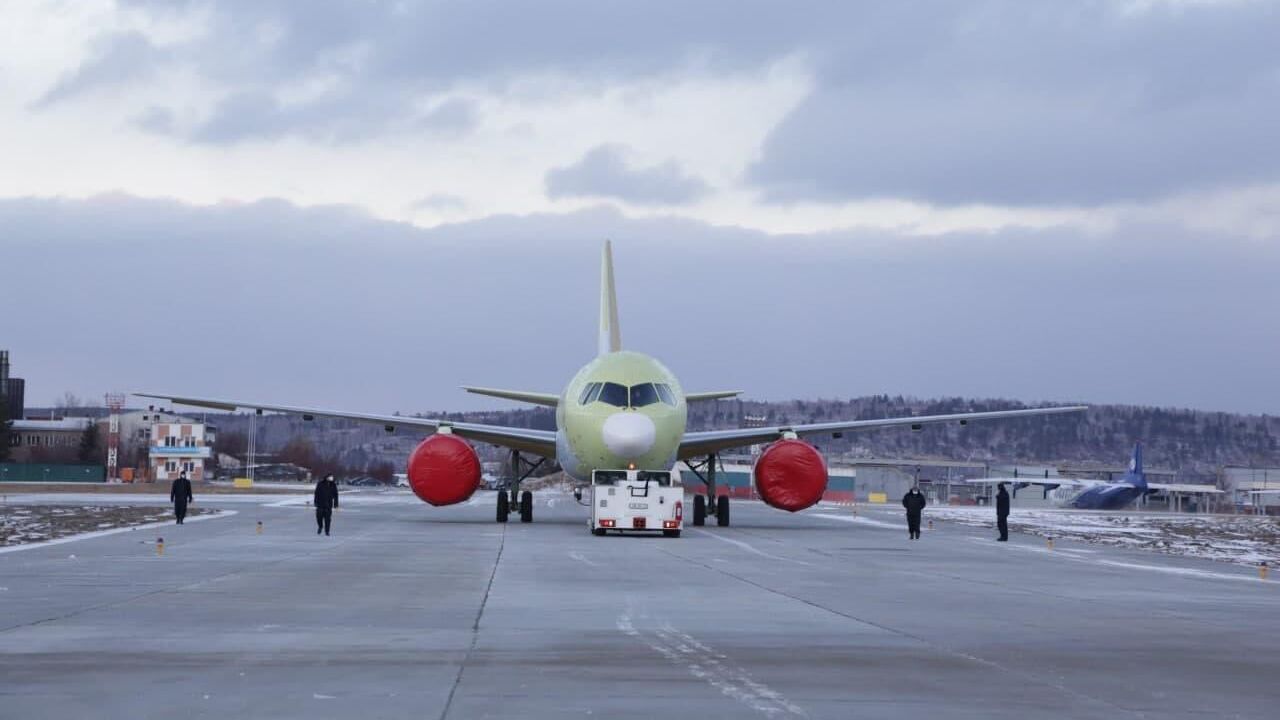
(68,401)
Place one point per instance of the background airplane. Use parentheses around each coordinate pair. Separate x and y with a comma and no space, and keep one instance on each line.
(1084,494)
(622,410)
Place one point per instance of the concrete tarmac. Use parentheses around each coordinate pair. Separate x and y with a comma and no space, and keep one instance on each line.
(413,611)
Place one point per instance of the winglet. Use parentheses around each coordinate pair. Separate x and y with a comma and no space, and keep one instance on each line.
(610,338)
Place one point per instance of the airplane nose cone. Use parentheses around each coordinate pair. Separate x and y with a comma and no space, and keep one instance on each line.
(629,435)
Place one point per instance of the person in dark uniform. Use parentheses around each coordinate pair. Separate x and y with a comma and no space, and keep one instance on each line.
(180,495)
(326,499)
(1002,513)
(914,502)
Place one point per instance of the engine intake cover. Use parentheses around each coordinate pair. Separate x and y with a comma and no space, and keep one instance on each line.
(790,475)
(444,470)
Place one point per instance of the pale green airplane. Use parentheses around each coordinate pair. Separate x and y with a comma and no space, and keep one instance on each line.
(623,410)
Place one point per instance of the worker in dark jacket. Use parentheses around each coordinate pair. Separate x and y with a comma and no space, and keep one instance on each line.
(914,502)
(180,495)
(1002,513)
(326,499)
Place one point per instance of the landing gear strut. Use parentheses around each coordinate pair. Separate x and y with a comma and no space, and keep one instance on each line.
(517,501)
(713,504)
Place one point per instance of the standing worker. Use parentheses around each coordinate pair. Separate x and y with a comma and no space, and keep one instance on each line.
(180,495)
(1002,513)
(914,502)
(326,500)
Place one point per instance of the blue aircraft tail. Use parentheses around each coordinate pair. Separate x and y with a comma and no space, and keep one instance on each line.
(1135,474)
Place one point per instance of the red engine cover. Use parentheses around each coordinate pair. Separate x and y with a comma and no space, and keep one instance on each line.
(791,475)
(444,469)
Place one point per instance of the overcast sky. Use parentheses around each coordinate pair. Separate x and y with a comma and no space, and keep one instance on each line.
(364,204)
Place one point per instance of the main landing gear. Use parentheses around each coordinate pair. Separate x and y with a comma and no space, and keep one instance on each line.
(717,505)
(517,501)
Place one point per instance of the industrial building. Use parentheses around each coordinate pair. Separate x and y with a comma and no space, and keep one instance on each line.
(33,440)
(1252,487)
(12,389)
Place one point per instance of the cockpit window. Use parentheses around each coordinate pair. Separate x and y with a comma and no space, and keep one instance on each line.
(664,392)
(614,394)
(589,393)
(643,394)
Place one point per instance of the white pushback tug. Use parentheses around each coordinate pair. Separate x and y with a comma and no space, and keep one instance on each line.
(637,501)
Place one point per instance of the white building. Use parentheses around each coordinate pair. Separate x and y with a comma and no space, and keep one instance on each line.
(177,444)
(1252,486)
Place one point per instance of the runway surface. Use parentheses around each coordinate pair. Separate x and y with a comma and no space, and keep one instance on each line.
(413,611)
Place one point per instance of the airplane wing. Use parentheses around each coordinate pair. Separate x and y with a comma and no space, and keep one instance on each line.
(1184,488)
(538,442)
(1058,481)
(711,441)
(714,395)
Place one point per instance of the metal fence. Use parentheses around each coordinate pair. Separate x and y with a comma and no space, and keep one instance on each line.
(51,472)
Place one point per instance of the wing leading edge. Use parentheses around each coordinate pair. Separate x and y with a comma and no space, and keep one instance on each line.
(710,441)
(539,442)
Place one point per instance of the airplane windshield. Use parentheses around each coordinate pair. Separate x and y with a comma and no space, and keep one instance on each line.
(589,393)
(664,392)
(643,394)
(614,394)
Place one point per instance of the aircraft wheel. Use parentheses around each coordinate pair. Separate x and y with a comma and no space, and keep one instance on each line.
(670,533)
(526,506)
(503,507)
(699,511)
(722,511)
(598,532)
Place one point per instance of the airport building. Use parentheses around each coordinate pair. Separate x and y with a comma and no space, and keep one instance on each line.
(32,438)
(1252,487)
(176,444)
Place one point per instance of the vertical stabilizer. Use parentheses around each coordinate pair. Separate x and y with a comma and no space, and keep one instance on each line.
(1135,474)
(610,339)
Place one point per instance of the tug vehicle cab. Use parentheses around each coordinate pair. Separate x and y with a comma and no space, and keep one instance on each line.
(637,501)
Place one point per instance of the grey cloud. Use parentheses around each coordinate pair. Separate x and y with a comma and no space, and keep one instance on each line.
(156,120)
(1146,314)
(603,172)
(116,58)
(992,101)
(452,116)
(439,201)
(1030,103)
(339,117)
(411,50)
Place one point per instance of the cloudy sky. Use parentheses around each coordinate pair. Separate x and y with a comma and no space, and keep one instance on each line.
(363,204)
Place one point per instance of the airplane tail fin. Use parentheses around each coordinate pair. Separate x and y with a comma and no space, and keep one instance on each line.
(610,338)
(1136,476)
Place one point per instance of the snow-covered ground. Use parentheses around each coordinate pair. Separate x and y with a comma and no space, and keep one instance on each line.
(23,524)
(1247,540)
